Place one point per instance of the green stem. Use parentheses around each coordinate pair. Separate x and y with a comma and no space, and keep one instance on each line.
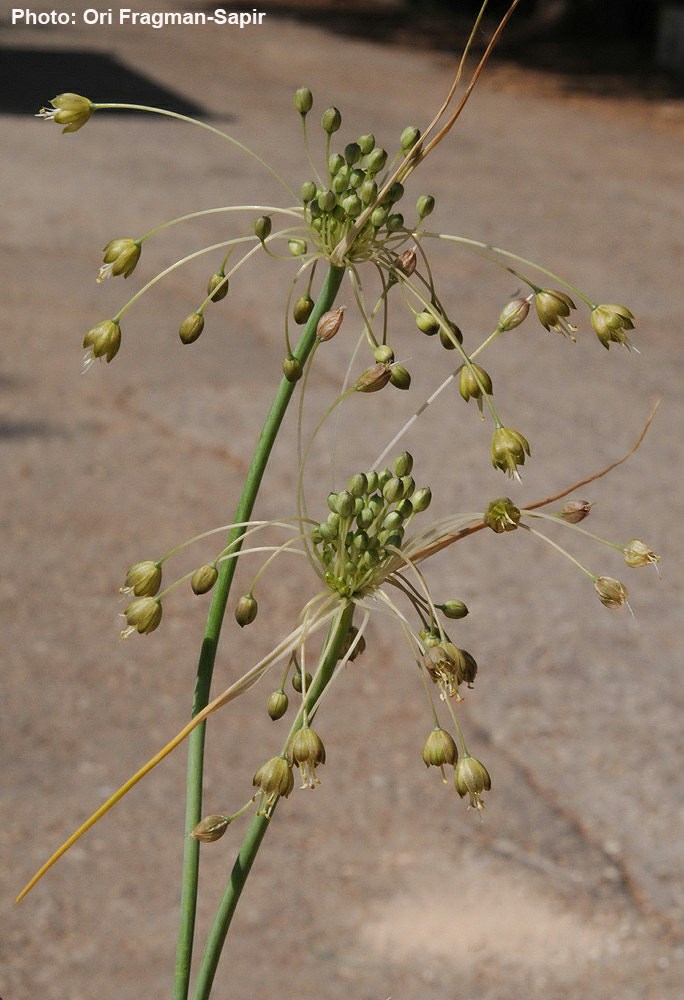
(212,633)
(259,825)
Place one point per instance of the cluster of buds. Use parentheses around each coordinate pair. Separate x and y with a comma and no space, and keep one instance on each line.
(354,183)
(358,542)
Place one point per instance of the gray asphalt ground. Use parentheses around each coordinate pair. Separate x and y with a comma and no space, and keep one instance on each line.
(379,883)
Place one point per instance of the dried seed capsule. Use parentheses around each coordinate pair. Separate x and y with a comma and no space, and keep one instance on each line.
(329,323)
(373,379)
(611,593)
(210,828)
(575,511)
(637,553)
(513,314)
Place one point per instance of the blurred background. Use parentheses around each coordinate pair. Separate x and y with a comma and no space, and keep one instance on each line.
(379,883)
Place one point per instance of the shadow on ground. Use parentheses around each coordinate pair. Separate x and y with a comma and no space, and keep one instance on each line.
(30,77)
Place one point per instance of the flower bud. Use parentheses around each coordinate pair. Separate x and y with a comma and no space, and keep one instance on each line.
(70,110)
(612,593)
(331,120)
(403,464)
(376,160)
(378,216)
(450,339)
(610,323)
(513,314)
(421,499)
(352,153)
(210,828)
(352,206)
(246,610)
(427,323)
(383,354)
(120,257)
(142,615)
(204,578)
(303,308)
(394,222)
(502,515)
(191,328)
(297,681)
(262,227)
(400,377)
(472,778)
(368,192)
(552,309)
(277,704)
(409,137)
(425,205)
(217,288)
(509,448)
(575,511)
(366,143)
(474,382)
(439,749)
(308,191)
(637,553)
(143,579)
(102,341)
(406,262)
(358,484)
(292,368)
(453,609)
(297,247)
(306,750)
(303,101)
(373,379)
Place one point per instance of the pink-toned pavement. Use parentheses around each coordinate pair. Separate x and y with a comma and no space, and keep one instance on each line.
(379,883)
